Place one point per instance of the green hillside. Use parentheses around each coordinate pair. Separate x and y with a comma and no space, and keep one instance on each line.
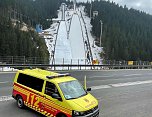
(13,41)
(127,33)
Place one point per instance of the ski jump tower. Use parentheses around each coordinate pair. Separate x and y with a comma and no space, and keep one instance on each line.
(63,7)
(74,4)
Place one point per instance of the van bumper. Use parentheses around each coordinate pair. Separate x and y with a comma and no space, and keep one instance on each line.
(93,114)
(13,96)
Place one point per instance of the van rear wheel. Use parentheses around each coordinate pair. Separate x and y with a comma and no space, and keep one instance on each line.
(20,102)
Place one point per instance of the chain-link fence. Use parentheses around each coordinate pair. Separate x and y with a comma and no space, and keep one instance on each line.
(123,62)
(23,60)
(38,60)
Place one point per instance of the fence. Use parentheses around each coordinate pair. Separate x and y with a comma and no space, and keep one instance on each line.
(20,62)
(12,67)
(38,60)
(123,62)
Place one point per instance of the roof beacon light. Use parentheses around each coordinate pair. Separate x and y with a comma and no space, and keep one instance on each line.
(57,76)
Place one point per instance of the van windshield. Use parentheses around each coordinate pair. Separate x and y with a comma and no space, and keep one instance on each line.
(72,89)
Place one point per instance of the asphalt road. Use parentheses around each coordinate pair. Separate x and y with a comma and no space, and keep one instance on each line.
(121,93)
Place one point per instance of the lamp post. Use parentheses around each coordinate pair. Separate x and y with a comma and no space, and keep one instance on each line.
(101,31)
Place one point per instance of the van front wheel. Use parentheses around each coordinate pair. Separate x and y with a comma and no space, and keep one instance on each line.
(20,102)
(61,115)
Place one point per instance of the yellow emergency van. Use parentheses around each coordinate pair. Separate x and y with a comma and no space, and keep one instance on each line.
(53,94)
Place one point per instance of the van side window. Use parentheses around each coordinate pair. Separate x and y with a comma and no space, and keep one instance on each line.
(30,81)
(50,89)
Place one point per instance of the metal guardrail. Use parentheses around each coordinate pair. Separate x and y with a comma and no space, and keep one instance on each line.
(68,64)
(77,67)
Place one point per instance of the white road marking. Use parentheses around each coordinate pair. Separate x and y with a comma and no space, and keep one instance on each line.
(133,75)
(5,82)
(115,75)
(121,85)
(5,98)
(131,83)
(101,76)
(100,87)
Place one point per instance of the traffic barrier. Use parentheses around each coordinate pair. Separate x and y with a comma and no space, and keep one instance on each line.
(75,66)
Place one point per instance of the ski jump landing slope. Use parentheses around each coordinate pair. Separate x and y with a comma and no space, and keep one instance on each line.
(71,47)
(76,39)
(67,40)
(63,48)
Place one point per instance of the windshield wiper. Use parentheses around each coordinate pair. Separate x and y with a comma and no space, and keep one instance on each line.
(77,97)
(82,95)
(72,98)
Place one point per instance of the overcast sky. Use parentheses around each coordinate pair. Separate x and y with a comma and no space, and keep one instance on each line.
(144,5)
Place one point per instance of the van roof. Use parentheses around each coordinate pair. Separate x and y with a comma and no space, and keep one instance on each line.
(47,75)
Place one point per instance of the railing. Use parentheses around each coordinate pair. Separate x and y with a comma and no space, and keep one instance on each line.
(73,67)
(87,44)
(38,60)
(53,52)
(21,62)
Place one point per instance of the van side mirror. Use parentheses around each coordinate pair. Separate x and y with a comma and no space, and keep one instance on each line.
(88,89)
(56,96)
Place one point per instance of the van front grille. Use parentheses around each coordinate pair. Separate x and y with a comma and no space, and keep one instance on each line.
(91,110)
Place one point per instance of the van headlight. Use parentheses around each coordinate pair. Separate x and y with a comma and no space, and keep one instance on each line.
(77,113)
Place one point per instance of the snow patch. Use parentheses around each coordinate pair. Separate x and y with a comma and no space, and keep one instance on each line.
(69,41)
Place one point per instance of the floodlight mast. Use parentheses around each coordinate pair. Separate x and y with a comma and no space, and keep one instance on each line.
(101,31)
(91,10)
